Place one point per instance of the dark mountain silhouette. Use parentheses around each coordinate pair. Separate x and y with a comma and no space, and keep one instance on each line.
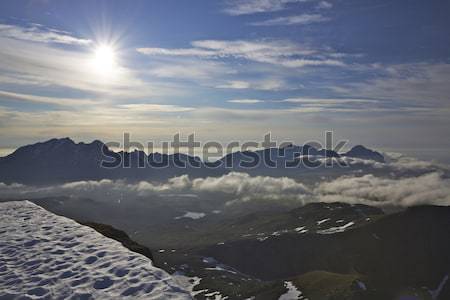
(289,156)
(56,160)
(364,153)
(63,160)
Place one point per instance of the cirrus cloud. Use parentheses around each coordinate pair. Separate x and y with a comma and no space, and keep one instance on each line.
(281,53)
(303,19)
(41,34)
(246,7)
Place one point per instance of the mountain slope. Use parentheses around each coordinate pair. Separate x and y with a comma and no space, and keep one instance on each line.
(120,236)
(362,152)
(406,250)
(47,256)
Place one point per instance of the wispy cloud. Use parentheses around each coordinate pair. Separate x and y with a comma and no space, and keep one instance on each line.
(317,102)
(324,5)
(245,7)
(41,34)
(328,101)
(192,69)
(235,84)
(48,100)
(237,48)
(419,83)
(216,73)
(105,121)
(283,117)
(263,85)
(303,19)
(145,108)
(245,101)
(282,53)
(34,64)
(336,105)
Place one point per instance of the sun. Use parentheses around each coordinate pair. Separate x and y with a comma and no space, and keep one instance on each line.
(104,60)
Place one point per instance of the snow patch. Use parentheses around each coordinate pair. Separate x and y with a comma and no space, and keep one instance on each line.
(216,265)
(323,221)
(292,293)
(435,293)
(361,285)
(332,230)
(221,268)
(191,215)
(189,283)
(209,260)
(43,255)
(215,296)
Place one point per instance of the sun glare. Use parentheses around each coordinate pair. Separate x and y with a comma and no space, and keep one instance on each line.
(104,59)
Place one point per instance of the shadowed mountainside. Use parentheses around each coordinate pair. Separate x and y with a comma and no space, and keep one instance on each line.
(119,236)
(393,253)
(63,160)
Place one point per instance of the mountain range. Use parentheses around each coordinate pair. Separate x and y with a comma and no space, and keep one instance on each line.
(63,160)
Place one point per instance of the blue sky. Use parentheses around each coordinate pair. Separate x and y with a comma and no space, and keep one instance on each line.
(374,72)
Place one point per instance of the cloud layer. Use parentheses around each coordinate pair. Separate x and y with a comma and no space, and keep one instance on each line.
(431,188)
(401,183)
(232,186)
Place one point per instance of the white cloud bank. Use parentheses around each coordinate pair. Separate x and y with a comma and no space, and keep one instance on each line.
(234,185)
(246,187)
(414,183)
(400,182)
(432,188)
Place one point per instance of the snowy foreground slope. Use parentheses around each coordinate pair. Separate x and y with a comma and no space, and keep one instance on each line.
(45,256)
